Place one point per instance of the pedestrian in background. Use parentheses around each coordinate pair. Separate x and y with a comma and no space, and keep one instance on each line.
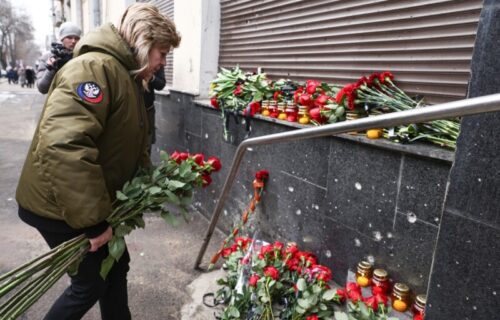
(30,76)
(157,82)
(91,138)
(50,62)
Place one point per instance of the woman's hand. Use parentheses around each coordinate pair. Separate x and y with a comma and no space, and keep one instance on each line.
(102,239)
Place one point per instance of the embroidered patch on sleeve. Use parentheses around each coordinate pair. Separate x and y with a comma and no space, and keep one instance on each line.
(90,92)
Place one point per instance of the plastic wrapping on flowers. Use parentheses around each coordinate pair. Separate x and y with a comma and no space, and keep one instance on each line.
(274,281)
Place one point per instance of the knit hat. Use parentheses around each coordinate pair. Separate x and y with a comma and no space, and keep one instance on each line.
(69,29)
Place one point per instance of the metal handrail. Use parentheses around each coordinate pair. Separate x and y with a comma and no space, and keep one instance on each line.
(453,109)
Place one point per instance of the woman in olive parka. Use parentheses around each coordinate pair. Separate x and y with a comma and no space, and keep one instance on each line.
(91,138)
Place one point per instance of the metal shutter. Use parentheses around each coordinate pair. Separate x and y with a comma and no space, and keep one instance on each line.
(426,43)
(166,7)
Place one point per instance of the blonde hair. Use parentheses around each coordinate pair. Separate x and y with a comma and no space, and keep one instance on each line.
(142,26)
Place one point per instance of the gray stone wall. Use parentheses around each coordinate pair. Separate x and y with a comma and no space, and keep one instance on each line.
(345,198)
(464,282)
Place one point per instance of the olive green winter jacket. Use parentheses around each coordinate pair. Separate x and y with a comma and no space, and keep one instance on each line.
(91,137)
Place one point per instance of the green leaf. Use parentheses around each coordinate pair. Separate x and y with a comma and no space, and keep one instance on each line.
(186,201)
(329,294)
(363,310)
(169,218)
(164,156)
(299,310)
(301,284)
(303,303)
(139,222)
(172,197)
(121,196)
(174,185)
(154,190)
(122,230)
(340,315)
(116,247)
(234,312)
(184,168)
(106,266)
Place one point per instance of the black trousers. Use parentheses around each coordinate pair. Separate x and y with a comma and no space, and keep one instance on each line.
(87,287)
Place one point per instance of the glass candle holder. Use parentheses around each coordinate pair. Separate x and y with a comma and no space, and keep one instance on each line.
(265,108)
(364,273)
(291,111)
(281,111)
(304,115)
(400,297)
(380,281)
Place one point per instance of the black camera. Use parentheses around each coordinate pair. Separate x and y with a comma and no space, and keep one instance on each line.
(61,54)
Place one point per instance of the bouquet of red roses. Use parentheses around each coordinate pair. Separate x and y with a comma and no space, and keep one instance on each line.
(274,281)
(172,181)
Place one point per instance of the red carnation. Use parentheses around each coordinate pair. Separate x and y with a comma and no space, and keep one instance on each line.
(238,90)
(384,76)
(253,280)
(262,175)
(271,272)
(214,102)
(215,163)
(226,252)
(278,95)
(312,317)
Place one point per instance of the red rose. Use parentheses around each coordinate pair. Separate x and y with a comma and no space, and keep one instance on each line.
(371,302)
(418,317)
(271,272)
(322,273)
(354,295)
(311,89)
(214,102)
(206,180)
(175,156)
(378,290)
(312,317)
(322,99)
(341,294)
(352,286)
(292,249)
(179,157)
(381,298)
(199,158)
(305,99)
(215,163)
(262,175)
(253,280)
(267,249)
(183,156)
(252,108)
(278,245)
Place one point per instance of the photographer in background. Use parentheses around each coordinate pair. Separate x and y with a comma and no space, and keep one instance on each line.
(60,53)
